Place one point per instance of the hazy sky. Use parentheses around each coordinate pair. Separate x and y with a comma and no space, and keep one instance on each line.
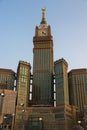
(68,20)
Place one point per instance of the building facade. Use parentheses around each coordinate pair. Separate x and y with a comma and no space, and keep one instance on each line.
(78,89)
(7,96)
(61,81)
(7,111)
(43,64)
(42,114)
(7,79)
(23,83)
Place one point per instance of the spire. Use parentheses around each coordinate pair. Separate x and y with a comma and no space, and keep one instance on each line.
(43,16)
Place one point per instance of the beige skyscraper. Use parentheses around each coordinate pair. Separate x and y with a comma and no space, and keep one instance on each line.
(43,63)
(78,89)
(41,114)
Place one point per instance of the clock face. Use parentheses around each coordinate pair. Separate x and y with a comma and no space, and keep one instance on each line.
(42,32)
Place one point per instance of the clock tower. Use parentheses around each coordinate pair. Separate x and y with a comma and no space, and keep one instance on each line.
(42,93)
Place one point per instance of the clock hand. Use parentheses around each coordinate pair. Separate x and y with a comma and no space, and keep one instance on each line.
(43,32)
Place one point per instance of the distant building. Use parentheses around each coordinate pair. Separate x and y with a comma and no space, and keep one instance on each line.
(7,79)
(78,89)
(23,83)
(65,111)
(7,96)
(61,81)
(8,103)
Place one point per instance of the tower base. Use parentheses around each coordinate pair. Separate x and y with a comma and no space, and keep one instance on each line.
(45,118)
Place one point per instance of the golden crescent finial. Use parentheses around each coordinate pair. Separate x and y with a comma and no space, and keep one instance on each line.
(43,16)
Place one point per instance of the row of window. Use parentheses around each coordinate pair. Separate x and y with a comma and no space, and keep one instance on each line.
(24,70)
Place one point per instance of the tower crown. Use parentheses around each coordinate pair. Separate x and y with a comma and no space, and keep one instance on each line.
(43,21)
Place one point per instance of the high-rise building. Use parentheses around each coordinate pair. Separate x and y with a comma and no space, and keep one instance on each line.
(65,112)
(42,114)
(51,98)
(7,106)
(61,82)
(43,64)
(7,79)
(78,88)
(23,83)
(7,95)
